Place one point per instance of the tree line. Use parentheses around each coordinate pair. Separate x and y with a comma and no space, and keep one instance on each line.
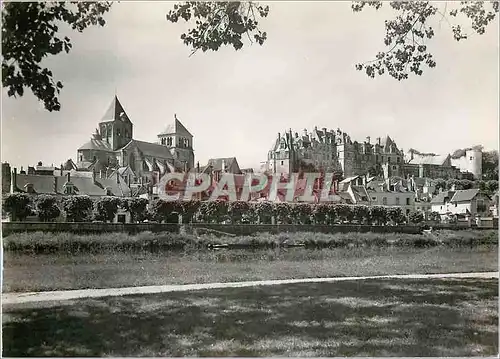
(83,208)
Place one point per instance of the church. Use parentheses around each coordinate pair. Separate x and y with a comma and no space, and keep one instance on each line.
(113,149)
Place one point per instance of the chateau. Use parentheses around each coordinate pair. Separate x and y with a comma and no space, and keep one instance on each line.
(113,147)
(333,151)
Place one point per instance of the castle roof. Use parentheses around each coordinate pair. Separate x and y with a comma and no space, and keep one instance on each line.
(94,144)
(115,112)
(176,127)
(152,149)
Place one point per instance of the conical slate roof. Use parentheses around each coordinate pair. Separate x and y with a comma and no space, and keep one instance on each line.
(176,127)
(115,112)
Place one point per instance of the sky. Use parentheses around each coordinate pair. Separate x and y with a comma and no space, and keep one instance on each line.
(236,102)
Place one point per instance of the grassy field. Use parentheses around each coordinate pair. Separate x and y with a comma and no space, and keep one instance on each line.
(363,318)
(25,272)
(39,242)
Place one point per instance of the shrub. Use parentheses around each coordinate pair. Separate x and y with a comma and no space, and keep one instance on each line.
(395,214)
(361,214)
(189,209)
(78,208)
(379,215)
(264,211)
(236,210)
(435,217)
(18,205)
(213,211)
(320,213)
(47,208)
(165,211)
(416,217)
(301,213)
(282,212)
(137,207)
(105,208)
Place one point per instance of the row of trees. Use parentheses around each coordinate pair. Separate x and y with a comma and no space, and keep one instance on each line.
(84,208)
(488,186)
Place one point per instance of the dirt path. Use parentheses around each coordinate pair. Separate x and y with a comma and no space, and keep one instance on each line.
(17,298)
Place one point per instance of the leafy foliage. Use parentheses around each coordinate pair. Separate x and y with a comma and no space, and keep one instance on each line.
(219,23)
(47,208)
(237,210)
(77,208)
(105,208)
(490,165)
(30,33)
(407,35)
(137,208)
(435,217)
(18,205)
(416,217)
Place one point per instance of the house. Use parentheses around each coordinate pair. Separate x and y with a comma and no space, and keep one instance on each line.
(67,185)
(463,203)
(392,192)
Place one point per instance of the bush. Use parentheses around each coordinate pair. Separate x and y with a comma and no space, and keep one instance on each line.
(78,208)
(47,208)
(18,205)
(236,210)
(137,207)
(105,208)
(165,211)
(416,217)
(264,211)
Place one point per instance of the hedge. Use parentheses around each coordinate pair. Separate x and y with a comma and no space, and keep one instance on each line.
(84,208)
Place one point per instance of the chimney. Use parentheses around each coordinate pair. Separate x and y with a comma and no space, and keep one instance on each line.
(198,166)
(368,139)
(305,132)
(379,141)
(14,180)
(55,184)
(279,136)
(61,171)
(22,171)
(324,130)
(223,166)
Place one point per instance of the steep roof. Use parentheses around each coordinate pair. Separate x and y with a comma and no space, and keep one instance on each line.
(429,159)
(85,185)
(440,198)
(216,163)
(115,112)
(465,195)
(176,127)
(150,149)
(94,144)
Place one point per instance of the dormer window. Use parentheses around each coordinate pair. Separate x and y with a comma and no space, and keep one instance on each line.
(29,188)
(169,141)
(69,188)
(163,141)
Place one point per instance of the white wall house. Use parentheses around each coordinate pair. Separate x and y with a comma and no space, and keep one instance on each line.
(470,202)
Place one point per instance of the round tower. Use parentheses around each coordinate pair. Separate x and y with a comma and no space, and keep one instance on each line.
(474,159)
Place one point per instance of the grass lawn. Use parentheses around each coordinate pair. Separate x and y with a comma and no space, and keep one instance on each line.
(25,272)
(358,318)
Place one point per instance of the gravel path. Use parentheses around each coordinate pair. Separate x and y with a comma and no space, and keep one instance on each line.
(17,298)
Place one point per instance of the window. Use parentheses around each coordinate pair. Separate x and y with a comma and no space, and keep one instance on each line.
(81,157)
(407,201)
(397,201)
(95,158)
(118,132)
(384,201)
(388,160)
(470,158)
(398,159)
(282,163)
(394,167)
(374,198)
